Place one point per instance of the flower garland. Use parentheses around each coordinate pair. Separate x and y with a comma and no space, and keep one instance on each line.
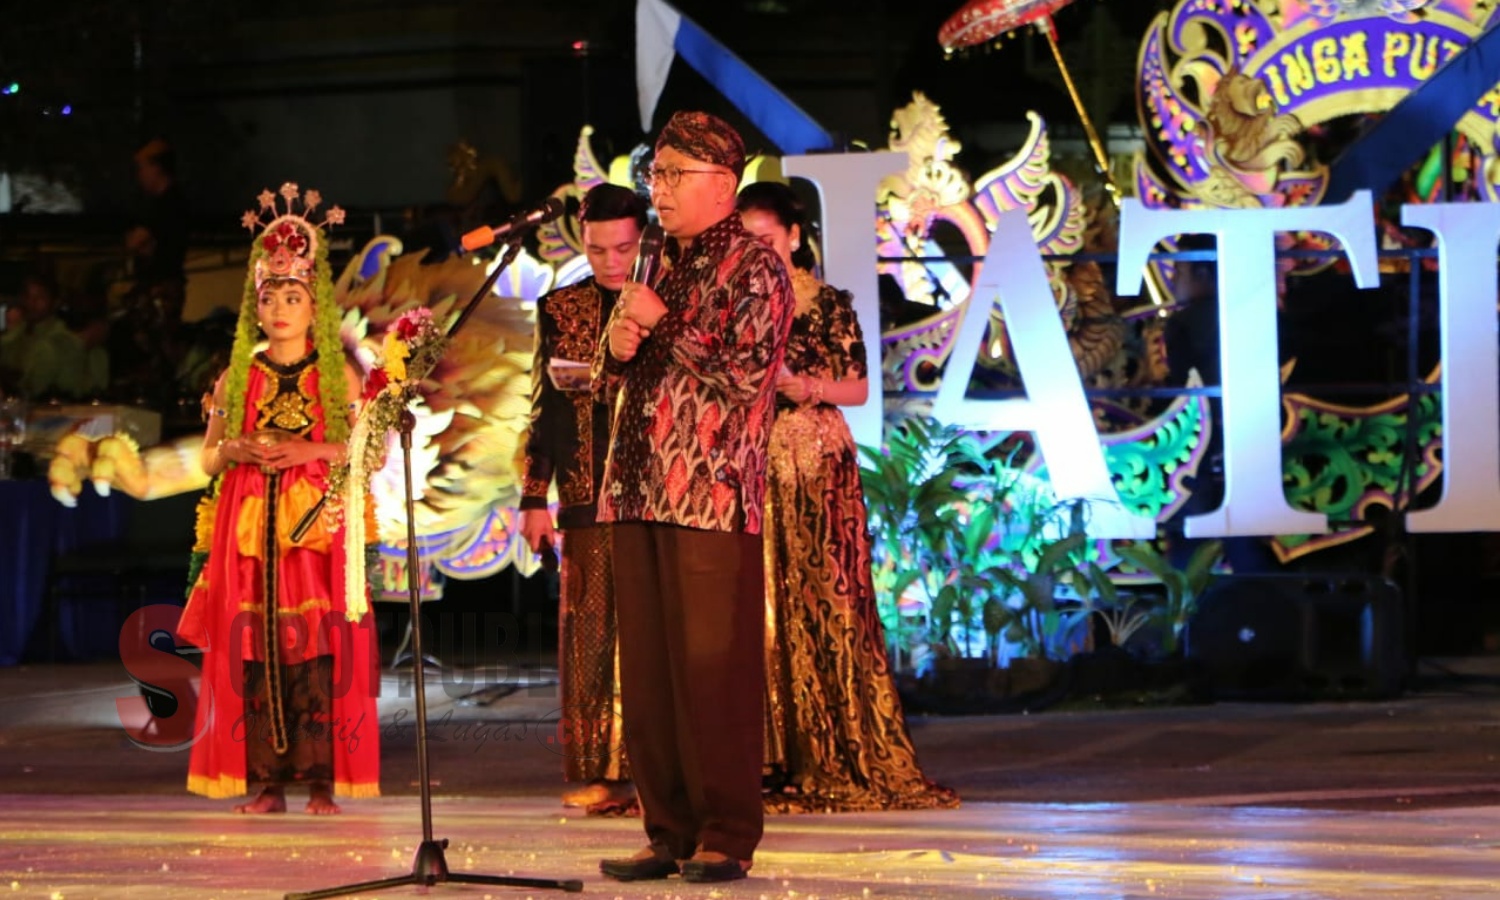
(411,348)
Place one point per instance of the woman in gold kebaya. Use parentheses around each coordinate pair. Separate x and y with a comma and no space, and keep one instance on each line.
(835,735)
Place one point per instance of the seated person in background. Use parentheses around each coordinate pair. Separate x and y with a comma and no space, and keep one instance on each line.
(92,336)
(145,341)
(158,241)
(38,353)
(87,318)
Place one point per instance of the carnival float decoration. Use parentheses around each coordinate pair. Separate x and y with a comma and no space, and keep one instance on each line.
(985,21)
(1234,96)
(1240,102)
(471,410)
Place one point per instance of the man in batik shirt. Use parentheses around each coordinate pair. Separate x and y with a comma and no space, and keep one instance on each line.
(567,443)
(694,366)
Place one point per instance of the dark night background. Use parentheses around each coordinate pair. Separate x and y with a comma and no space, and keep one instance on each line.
(364,100)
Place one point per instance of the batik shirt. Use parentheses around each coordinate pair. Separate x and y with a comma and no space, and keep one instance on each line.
(569,433)
(692,410)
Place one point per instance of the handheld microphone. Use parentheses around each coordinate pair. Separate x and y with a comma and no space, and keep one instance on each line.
(648,258)
(484,235)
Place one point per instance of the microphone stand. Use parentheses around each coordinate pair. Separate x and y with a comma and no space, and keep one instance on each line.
(429,866)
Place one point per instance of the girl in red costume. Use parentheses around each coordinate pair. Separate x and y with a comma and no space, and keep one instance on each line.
(289,684)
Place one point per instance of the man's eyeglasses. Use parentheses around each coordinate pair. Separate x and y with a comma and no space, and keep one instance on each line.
(671,175)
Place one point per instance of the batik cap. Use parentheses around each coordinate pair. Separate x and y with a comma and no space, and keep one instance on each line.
(704,137)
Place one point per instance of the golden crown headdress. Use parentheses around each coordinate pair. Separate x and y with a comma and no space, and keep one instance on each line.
(290,239)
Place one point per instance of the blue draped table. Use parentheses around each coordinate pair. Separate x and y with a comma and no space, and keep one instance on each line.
(36,531)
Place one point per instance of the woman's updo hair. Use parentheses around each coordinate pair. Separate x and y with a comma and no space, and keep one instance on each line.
(781,201)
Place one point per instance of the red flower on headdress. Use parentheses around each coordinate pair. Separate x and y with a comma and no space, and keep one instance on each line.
(285,234)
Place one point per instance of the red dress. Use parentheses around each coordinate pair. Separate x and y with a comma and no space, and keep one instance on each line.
(294,702)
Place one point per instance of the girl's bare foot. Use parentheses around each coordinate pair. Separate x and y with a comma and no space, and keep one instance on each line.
(269,800)
(320,802)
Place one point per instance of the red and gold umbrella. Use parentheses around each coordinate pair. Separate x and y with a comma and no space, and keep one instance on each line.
(984,20)
(979,21)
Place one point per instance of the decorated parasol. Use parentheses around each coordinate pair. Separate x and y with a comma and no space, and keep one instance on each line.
(981,21)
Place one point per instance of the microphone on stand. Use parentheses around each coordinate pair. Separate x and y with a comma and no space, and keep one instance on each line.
(484,235)
(648,259)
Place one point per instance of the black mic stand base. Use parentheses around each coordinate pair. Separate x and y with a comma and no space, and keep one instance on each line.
(430,868)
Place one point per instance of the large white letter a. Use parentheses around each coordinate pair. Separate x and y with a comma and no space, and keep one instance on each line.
(1055,409)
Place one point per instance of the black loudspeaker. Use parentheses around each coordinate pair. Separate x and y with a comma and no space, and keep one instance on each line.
(1299,637)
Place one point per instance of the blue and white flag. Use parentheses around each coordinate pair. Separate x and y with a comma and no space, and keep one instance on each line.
(1424,117)
(662,33)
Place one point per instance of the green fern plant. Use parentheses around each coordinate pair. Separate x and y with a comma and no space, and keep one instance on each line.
(960,527)
(1122,612)
(1182,587)
(913,502)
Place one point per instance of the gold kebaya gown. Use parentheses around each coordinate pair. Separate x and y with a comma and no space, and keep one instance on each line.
(836,738)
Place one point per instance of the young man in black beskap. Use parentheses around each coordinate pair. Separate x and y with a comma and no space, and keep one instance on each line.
(566,444)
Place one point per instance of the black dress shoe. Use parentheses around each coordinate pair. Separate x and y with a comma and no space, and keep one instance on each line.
(719,870)
(649,869)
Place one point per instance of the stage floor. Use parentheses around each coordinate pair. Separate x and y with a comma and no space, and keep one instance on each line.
(1334,800)
(166,848)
